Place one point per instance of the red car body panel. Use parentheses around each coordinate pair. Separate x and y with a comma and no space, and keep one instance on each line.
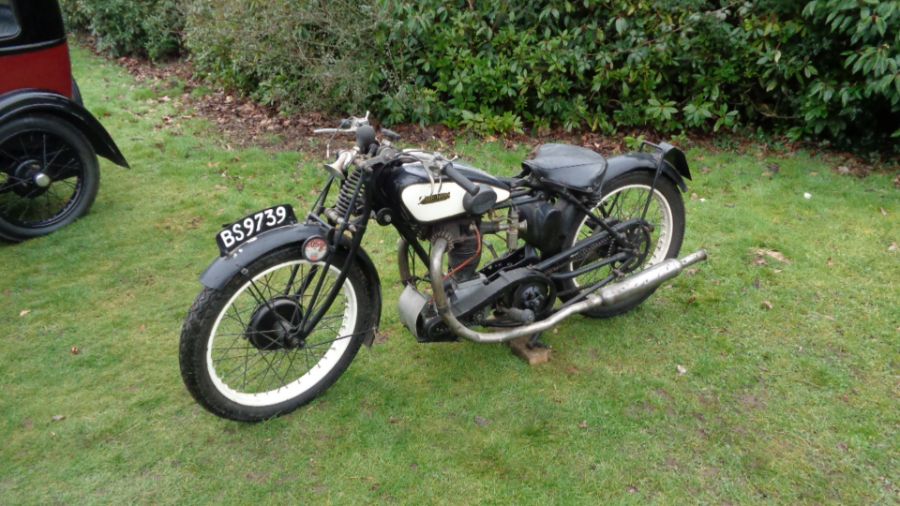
(46,69)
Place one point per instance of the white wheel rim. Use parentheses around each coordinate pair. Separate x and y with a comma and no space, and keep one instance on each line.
(663,242)
(325,363)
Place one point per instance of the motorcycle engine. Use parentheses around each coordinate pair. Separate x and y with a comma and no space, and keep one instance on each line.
(544,226)
(465,248)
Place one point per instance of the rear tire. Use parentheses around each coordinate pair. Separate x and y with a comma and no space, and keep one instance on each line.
(666,213)
(234,338)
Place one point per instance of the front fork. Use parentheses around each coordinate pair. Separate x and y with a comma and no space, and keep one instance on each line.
(337,238)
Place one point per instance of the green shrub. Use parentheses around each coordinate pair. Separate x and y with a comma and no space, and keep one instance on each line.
(856,91)
(149,28)
(313,55)
(827,69)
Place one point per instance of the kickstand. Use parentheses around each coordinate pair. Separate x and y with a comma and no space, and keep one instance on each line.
(534,342)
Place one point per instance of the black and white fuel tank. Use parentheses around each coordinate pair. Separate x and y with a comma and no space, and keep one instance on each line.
(429,202)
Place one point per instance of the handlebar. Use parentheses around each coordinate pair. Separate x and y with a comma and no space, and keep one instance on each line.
(460,179)
(346,126)
(438,161)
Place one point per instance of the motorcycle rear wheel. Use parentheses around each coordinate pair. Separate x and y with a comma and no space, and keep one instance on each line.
(239,361)
(623,199)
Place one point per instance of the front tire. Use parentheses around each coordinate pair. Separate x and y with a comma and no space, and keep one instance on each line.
(239,359)
(623,199)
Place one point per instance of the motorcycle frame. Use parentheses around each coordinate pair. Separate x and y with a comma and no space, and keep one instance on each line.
(370,201)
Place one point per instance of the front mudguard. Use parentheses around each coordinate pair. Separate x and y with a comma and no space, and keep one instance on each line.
(674,165)
(25,102)
(223,269)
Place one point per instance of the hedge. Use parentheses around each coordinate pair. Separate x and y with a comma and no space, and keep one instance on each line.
(827,70)
(151,28)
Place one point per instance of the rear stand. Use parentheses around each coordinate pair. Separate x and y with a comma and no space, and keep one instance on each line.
(530,349)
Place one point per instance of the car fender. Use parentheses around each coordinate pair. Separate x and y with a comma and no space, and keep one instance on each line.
(225,268)
(674,167)
(24,102)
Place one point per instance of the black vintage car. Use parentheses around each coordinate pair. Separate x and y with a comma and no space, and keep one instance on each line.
(49,175)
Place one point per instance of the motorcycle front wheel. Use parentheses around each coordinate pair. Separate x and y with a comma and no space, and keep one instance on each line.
(241,356)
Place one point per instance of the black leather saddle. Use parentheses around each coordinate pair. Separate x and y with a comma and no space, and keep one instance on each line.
(571,167)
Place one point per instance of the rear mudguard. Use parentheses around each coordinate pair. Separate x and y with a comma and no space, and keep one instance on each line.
(25,102)
(223,269)
(674,166)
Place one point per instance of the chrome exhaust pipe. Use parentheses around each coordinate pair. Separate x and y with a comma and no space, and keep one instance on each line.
(611,294)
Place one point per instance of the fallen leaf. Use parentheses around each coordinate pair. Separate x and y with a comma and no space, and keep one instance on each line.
(766,305)
(892,247)
(58,418)
(773,254)
(24,312)
(691,271)
(813,173)
(756,283)
(883,211)
(632,489)
(682,370)
(705,170)
(829,262)
(393,420)
(583,424)
(75,350)
(807,195)
(843,170)
(694,196)
(773,168)
(481,421)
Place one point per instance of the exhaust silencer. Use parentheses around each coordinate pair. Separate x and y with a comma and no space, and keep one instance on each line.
(630,287)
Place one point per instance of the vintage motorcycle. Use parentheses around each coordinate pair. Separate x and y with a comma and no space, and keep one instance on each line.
(288,304)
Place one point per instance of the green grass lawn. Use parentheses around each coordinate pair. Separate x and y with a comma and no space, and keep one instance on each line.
(793,404)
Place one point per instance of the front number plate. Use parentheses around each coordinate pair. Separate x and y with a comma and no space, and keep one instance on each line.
(238,233)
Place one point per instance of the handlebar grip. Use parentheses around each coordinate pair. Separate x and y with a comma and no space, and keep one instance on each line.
(387,152)
(390,134)
(460,179)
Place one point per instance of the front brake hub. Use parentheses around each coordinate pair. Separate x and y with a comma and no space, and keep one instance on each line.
(273,324)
